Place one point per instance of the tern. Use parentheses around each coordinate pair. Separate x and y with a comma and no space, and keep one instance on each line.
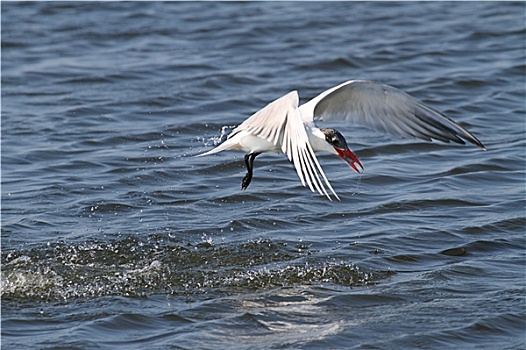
(283,126)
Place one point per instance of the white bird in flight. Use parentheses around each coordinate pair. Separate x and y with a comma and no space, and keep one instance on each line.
(285,127)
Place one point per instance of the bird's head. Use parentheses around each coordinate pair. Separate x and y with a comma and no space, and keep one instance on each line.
(337,141)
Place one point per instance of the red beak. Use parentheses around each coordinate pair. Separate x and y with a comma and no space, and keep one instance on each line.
(350,158)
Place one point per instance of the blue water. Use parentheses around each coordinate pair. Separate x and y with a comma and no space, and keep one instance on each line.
(115,237)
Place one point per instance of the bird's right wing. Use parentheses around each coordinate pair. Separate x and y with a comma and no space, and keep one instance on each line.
(280,123)
(297,147)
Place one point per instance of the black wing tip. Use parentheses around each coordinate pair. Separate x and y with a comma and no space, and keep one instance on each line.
(481,146)
(456,132)
(471,139)
(476,142)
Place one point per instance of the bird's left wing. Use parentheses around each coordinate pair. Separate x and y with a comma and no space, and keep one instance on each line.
(386,109)
(280,123)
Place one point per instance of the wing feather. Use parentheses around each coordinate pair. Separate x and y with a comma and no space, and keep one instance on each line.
(303,157)
(386,109)
(269,122)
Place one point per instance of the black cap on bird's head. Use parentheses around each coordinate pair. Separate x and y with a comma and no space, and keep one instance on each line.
(336,140)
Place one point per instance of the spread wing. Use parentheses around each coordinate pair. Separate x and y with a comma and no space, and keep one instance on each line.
(386,109)
(280,123)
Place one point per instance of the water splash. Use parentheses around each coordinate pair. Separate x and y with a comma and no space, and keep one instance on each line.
(217,139)
(134,267)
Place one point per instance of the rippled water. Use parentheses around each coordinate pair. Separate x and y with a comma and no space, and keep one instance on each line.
(114,236)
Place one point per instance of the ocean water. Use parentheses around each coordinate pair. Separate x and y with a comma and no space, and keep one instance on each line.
(115,237)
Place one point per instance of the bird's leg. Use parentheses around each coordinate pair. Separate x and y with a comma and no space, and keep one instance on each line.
(249,162)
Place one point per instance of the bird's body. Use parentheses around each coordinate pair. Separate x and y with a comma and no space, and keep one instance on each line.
(284,126)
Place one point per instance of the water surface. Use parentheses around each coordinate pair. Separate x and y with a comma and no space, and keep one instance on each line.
(114,236)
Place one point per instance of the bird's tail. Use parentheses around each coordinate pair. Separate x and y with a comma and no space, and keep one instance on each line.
(212,151)
(222,147)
